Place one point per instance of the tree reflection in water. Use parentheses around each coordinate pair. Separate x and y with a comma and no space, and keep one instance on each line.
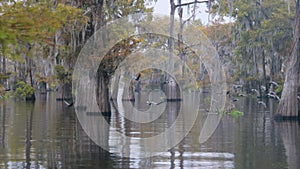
(47,134)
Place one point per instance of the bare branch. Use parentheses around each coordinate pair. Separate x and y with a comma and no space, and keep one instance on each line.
(187,20)
(185,4)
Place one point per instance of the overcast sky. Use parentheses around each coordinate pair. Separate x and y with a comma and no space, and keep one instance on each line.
(163,7)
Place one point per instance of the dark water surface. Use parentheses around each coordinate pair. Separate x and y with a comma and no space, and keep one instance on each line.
(47,134)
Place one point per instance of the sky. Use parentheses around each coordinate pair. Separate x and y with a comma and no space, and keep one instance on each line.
(163,7)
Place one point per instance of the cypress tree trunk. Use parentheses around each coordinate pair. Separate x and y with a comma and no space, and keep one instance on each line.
(102,92)
(290,134)
(288,106)
(114,94)
(102,79)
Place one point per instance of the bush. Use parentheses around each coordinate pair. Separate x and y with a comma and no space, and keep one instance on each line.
(24,91)
(236,113)
(3,93)
(60,72)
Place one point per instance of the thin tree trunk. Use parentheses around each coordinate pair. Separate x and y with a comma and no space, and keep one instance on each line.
(169,89)
(29,65)
(3,64)
(32,97)
(5,81)
(264,70)
(289,6)
(4,69)
(180,40)
(171,39)
(288,106)
(30,71)
(194,10)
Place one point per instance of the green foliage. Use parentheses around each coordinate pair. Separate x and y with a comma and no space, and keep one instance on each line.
(261,36)
(279,89)
(62,74)
(34,22)
(53,85)
(4,96)
(32,31)
(236,113)
(25,24)
(120,8)
(24,90)
(3,93)
(3,77)
(207,100)
(60,71)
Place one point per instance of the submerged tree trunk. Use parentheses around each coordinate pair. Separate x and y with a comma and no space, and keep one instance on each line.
(28,144)
(102,79)
(114,93)
(290,134)
(128,93)
(288,106)
(102,92)
(29,72)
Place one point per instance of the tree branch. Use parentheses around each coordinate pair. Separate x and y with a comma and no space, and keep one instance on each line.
(189,3)
(187,20)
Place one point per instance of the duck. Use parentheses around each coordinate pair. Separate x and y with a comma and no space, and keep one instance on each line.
(137,78)
(274,96)
(68,104)
(232,99)
(242,95)
(274,83)
(154,103)
(255,91)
